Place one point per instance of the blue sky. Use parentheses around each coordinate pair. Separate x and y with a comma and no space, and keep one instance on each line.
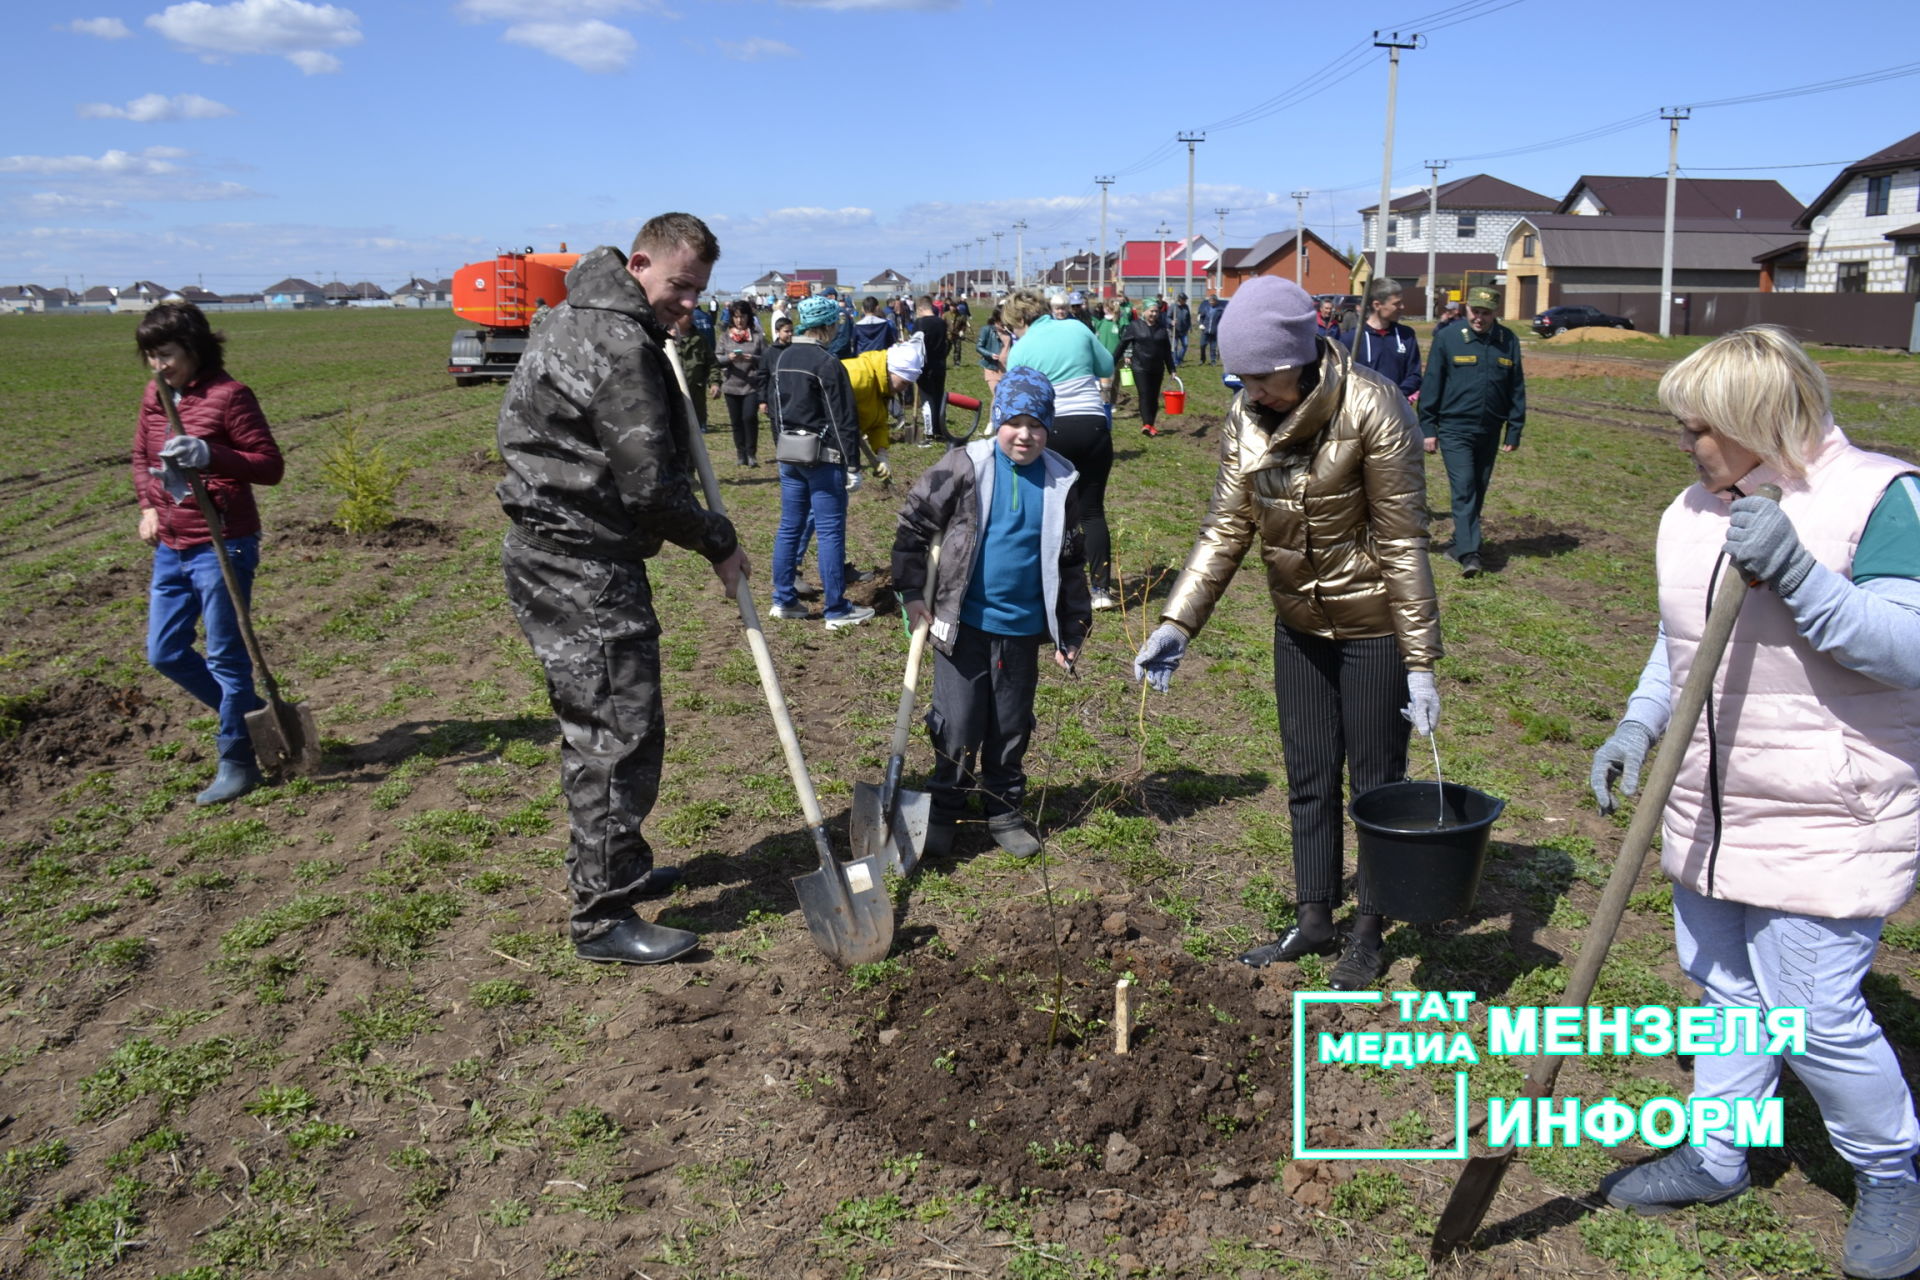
(237,143)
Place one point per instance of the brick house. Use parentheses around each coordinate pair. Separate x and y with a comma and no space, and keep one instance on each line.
(1325,269)
(1863,231)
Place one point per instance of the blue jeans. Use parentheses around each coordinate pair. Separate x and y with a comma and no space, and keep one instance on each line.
(1179,348)
(187,589)
(820,492)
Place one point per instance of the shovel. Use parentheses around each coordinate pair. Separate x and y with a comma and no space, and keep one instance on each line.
(890,823)
(283,732)
(1481,1179)
(846,904)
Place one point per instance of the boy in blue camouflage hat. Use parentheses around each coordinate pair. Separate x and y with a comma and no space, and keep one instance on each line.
(1012,573)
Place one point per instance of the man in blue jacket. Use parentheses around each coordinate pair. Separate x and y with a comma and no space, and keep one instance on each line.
(1386,346)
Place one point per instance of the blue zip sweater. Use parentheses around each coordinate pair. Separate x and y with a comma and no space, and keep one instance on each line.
(1395,355)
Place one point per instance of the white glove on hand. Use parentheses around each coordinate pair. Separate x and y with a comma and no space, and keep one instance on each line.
(190,452)
(1423,707)
(853,480)
(1160,656)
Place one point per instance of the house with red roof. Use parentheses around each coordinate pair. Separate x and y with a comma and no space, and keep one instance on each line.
(1863,231)
(1188,273)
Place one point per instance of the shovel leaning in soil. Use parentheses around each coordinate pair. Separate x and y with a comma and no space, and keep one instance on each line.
(1480,1181)
(846,904)
(283,732)
(890,823)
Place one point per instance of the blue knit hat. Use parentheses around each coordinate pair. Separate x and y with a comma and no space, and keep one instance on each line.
(821,308)
(1027,391)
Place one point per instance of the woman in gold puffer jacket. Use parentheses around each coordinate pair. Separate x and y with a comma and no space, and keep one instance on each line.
(1321,460)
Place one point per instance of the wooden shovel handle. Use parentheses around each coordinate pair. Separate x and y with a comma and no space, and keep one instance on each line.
(916,650)
(743,595)
(1725,611)
(216,532)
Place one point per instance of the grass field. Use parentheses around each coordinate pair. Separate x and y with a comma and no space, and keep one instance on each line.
(338,1030)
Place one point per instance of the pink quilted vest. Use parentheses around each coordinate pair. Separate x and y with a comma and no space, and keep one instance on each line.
(1817,808)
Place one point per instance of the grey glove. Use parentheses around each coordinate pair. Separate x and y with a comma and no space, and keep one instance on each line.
(190,452)
(853,480)
(1762,544)
(1423,703)
(1619,760)
(1160,656)
(173,480)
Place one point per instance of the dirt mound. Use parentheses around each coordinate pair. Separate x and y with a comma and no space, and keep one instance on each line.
(1593,333)
(402,533)
(959,1066)
(47,736)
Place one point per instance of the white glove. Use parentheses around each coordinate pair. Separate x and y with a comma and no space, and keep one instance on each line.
(853,480)
(190,452)
(1160,656)
(1423,706)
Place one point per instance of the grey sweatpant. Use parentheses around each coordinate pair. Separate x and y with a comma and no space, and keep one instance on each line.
(1759,958)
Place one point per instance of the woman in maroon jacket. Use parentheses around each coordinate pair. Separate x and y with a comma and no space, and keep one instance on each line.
(228,442)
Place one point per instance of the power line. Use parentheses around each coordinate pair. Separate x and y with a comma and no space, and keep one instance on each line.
(1818,86)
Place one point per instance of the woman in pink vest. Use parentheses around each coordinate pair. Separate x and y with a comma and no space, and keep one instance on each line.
(1791,833)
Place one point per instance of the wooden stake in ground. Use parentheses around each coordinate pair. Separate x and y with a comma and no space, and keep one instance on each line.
(1122,1016)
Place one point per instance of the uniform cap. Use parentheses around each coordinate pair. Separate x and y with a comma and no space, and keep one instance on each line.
(1481,296)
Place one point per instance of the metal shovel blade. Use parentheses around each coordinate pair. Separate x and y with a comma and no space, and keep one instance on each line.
(846,906)
(897,839)
(1472,1197)
(284,734)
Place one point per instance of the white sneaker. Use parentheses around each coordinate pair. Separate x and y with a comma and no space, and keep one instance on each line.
(853,617)
(791,612)
(1103,600)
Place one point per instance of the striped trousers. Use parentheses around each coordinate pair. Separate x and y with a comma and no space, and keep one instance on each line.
(1339,703)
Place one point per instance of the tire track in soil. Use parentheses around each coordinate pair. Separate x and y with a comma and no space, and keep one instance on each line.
(1652,367)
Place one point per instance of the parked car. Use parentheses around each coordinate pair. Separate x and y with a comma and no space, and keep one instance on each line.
(1560,319)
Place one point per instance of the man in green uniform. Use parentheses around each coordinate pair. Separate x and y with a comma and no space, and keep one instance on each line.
(1473,387)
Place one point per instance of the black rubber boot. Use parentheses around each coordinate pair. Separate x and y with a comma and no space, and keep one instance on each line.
(635,941)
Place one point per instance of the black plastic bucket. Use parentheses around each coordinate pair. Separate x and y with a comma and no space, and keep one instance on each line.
(1421,872)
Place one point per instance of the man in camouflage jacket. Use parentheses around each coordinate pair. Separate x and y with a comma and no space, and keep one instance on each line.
(697,357)
(595,436)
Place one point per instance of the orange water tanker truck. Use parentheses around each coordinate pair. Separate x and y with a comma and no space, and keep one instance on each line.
(500,294)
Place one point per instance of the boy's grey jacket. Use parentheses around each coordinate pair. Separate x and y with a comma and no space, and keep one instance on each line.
(951,495)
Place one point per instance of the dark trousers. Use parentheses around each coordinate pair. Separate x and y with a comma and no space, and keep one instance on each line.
(1086,440)
(1208,347)
(744,413)
(933,394)
(592,626)
(1146,385)
(982,704)
(1469,456)
(1340,704)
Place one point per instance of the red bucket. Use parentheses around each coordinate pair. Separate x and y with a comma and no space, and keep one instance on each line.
(1176,400)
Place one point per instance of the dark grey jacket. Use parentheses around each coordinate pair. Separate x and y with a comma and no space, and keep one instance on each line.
(808,391)
(949,496)
(594,429)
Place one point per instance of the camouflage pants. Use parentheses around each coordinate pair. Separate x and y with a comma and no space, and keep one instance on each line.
(592,626)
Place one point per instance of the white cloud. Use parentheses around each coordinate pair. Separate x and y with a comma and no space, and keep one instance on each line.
(591,45)
(55,204)
(151,162)
(554,10)
(152,107)
(300,32)
(756,49)
(869,6)
(101,28)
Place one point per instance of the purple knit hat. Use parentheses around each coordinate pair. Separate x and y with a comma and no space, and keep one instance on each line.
(1268,325)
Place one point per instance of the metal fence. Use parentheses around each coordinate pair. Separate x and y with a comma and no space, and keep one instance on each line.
(1837,319)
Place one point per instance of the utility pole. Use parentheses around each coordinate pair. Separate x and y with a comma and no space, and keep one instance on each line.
(1162,231)
(1020,254)
(1186,278)
(1433,235)
(1104,184)
(982,242)
(996,260)
(1300,237)
(1220,257)
(965,250)
(1673,116)
(1120,262)
(1393,44)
